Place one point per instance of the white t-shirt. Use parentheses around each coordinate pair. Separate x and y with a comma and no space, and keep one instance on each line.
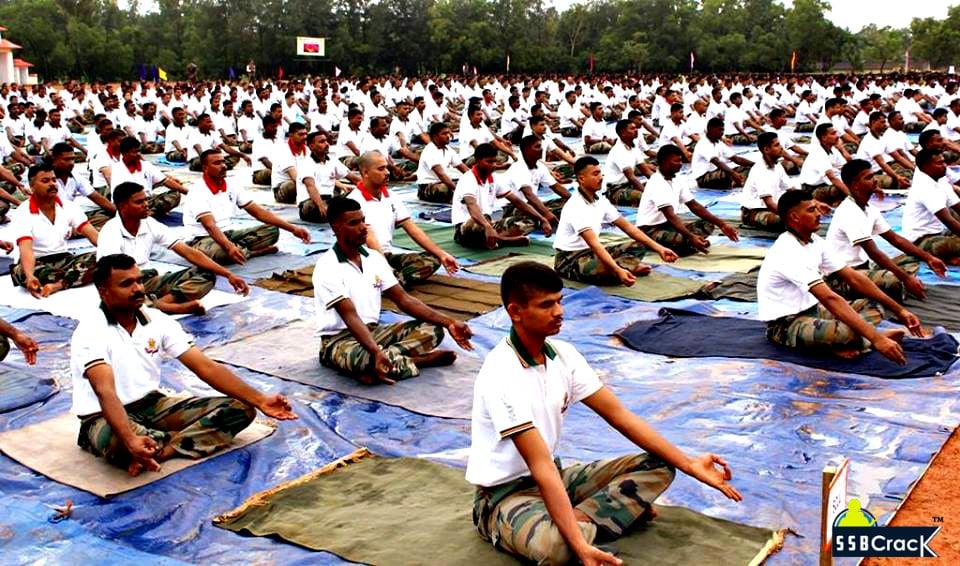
(850,227)
(335,278)
(28,223)
(925,199)
(621,158)
(660,193)
(578,216)
(790,269)
(135,359)
(484,191)
(75,189)
(763,181)
(252,126)
(325,174)
(347,135)
(283,159)
(704,154)
(224,206)
(148,175)
(818,162)
(480,134)
(594,129)
(175,134)
(518,175)
(383,215)
(871,147)
(432,156)
(152,235)
(210,140)
(512,395)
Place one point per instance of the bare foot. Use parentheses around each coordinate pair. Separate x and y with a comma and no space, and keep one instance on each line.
(263,251)
(367,379)
(165,454)
(518,241)
(173,307)
(896,334)
(642,269)
(51,288)
(135,468)
(435,358)
(848,354)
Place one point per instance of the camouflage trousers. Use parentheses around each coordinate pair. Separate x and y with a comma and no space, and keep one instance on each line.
(804,128)
(399,341)
(572,132)
(824,193)
(817,329)
(615,494)
(761,218)
(598,148)
(885,181)
(470,234)
(194,426)
(624,194)
(435,192)
(97,218)
(161,203)
(247,239)
(351,161)
(718,179)
(666,235)
(586,267)
(310,212)
(565,170)
(15,167)
(230,160)
(501,158)
(72,270)
(245,147)
(882,278)
(945,246)
(412,267)
(914,127)
(189,284)
(513,214)
(262,177)
(285,192)
(740,139)
(176,157)
(151,148)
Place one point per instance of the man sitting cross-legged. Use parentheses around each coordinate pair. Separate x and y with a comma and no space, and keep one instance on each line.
(41,226)
(657,213)
(526,503)
(474,201)
(580,255)
(802,311)
(211,206)
(928,215)
(135,233)
(851,233)
(115,358)
(348,282)
(766,181)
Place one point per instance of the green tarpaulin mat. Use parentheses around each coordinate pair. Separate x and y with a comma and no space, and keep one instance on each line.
(653,287)
(456,297)
(736,287)
(442,234)
(389,511)
(730,259)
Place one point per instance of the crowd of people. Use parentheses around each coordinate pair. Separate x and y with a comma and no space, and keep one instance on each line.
(535,157)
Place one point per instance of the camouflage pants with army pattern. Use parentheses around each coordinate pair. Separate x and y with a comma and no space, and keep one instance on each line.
(262,177)
(804,128)
(761,218)
(195,427)
(818,329)
(4,209)
(945,246)
(598,148)
(151,148)
(248,239)
(71,270)
(827,193)
(740,139)
(882,278)
(285,192)
(614,493)
(586,267)
(624,194)
(555,206)
(471,234)
(189,284)
(666,235)
(572,132)
(399,341)
(175,156)
(162,203)
(718,179)
(310,212)
(412,267)
(435,192)
(15,167)
(97,218)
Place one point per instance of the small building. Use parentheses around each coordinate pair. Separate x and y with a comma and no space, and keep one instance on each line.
(13,70)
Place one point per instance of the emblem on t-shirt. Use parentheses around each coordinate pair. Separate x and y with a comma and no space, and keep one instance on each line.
(151,347)
(378,283)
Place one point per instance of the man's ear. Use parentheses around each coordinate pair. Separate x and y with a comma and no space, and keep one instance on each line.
(513,310)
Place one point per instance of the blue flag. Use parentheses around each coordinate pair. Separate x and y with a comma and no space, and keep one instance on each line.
(232,75)
(143,72)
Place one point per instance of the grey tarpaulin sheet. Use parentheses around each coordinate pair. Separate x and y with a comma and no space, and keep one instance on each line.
(443,392)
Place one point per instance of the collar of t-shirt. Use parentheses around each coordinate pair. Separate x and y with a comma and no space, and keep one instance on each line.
(481,181)
(135,168)
(215,185)
(342,257)
(35,208)
(302,150)
(367,195)
(526,360)
(587,198)
(142,317)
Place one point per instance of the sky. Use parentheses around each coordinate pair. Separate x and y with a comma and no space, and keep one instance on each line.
(854,14)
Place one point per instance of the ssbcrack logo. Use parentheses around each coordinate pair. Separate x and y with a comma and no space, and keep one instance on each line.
(857,534)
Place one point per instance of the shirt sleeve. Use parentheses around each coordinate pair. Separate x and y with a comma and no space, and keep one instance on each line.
(584,382)
(88,348)
(162,236)
(175,340)
(77,217)
(385,271)
(400,211)
(830,262)
(153,173)
(509,411)
(610,212)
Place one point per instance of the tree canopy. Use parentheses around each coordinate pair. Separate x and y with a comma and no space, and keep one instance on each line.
(96,39)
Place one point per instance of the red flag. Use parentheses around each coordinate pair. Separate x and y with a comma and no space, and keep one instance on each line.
(793,62)
(280,73)
(311,48)
(591,62)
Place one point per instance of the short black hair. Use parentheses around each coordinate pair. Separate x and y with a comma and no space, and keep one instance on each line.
(527,142)
(123,192)
(714,123)
(484,151)
(583,163)
(668,150)
(925,156)
(852,168)
(926,136)
(106,265)
(338,206)
(790,200)
(129,143)
(521,280)
(765,140)
(436,128)
(777,113)
(205,156)
(822,130)
(39,168)
(622,125)
(296,127)
(61,148)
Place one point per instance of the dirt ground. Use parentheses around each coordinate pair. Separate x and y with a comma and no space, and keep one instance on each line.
(937,495)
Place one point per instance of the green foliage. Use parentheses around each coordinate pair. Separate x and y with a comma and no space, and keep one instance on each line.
(95,39)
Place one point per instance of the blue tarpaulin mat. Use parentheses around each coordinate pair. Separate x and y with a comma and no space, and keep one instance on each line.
(777,424)
(19,386)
